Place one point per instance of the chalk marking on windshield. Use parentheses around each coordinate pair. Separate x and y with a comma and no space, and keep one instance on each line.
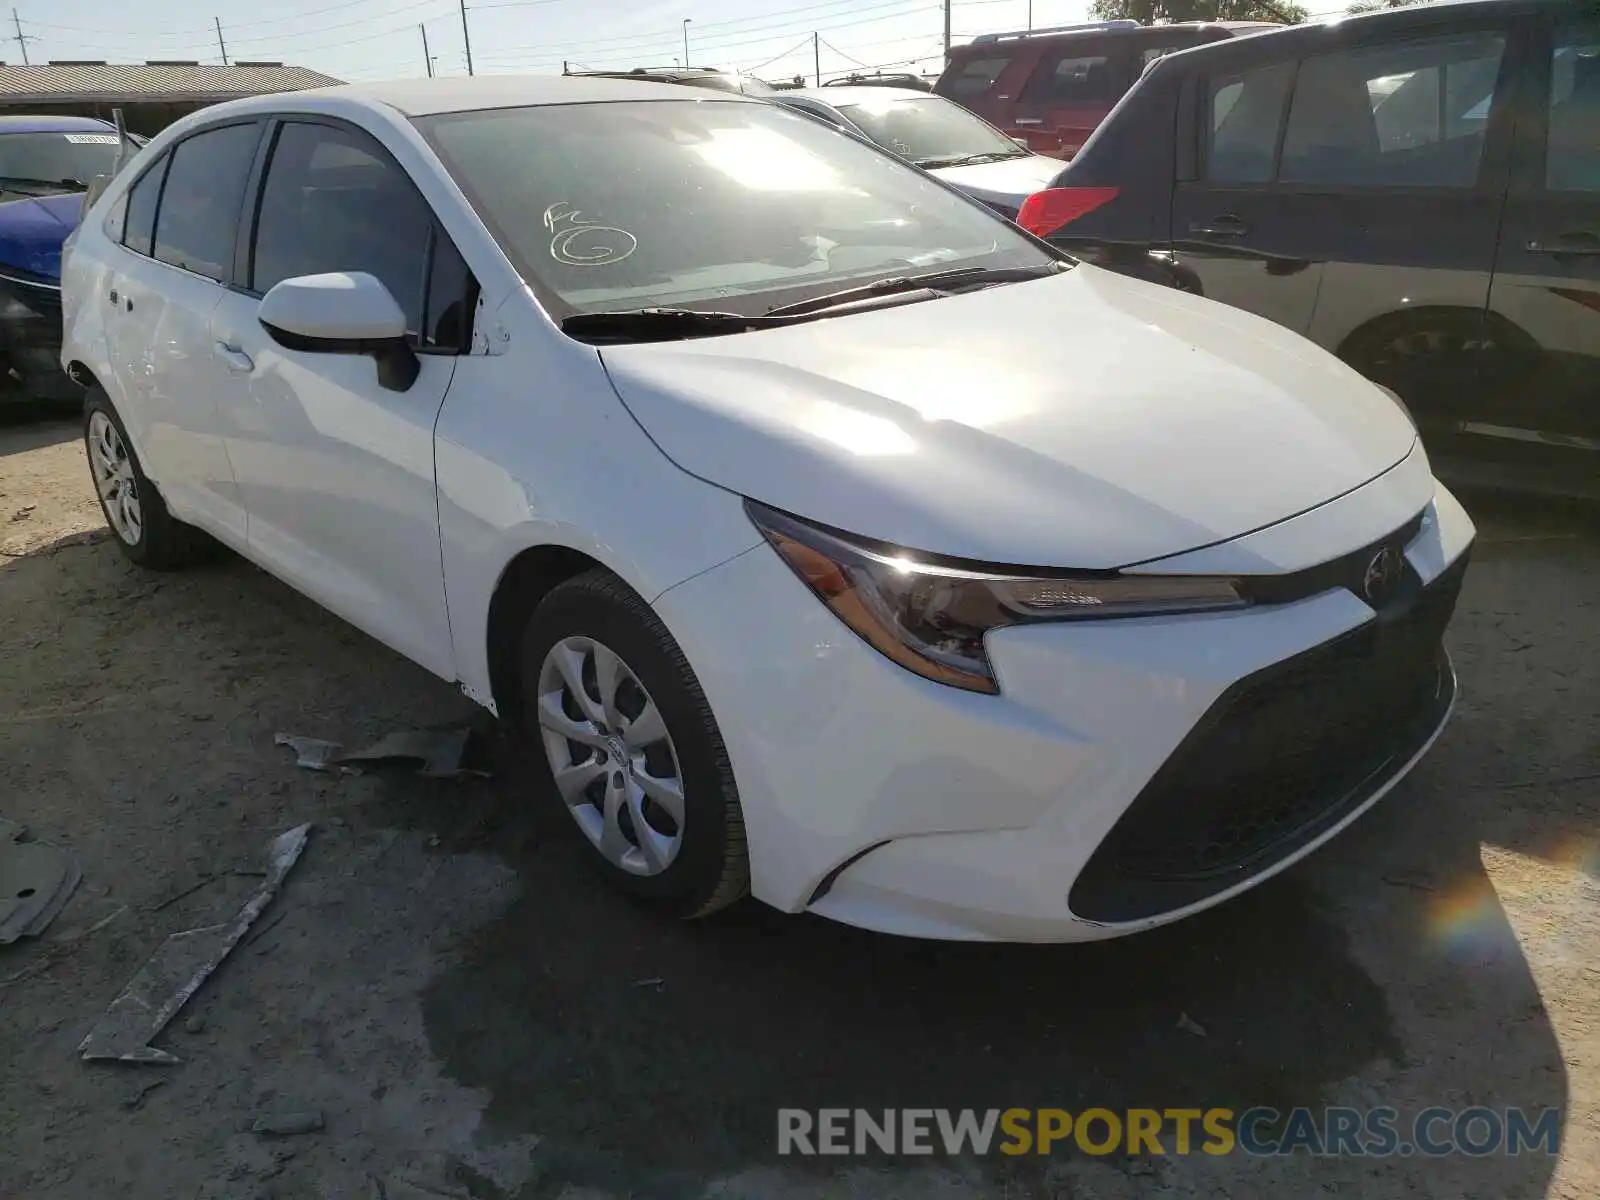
(579,243)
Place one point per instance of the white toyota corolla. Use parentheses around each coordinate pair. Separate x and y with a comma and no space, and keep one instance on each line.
(836,541)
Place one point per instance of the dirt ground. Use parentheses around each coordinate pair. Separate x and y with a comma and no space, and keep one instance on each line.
(475,1015)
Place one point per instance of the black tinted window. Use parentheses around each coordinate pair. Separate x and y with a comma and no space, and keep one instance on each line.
(974,77)
(1572,163)
(1077,79)
(1246,114)
(447,316)
(334,201)
(139,226)
(1412,114)
(201,201)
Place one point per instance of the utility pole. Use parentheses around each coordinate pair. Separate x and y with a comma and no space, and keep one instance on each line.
(1030,14)
(686,21)
(947,32)
(22,39)
(466,36)
(816,55)
(221,45)
(426,57)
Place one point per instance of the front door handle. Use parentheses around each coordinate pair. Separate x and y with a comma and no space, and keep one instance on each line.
(1580,242)
(238,361)
(1027,120)
(1225,226)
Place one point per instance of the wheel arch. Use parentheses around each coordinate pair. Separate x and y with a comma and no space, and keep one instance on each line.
(526,579)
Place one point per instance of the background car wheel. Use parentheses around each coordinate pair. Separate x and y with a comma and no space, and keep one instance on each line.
(633,749)
(144,529)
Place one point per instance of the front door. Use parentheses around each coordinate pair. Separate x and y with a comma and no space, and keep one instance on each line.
(1543,425)
(336,470)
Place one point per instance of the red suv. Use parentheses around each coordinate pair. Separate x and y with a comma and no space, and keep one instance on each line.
(1051,87)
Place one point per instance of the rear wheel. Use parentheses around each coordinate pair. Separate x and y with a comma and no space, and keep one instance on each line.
(633,749)
(143,528)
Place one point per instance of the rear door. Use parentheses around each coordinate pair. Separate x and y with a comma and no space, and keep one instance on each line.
(1544,419)
(1070,91)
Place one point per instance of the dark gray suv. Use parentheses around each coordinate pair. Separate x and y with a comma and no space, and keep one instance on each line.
(1417,190)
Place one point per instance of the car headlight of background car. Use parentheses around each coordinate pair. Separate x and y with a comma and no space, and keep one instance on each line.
(932,618)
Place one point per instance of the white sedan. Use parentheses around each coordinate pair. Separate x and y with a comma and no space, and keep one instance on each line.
(837,542)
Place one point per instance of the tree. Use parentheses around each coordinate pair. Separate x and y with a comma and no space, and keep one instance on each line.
(1150,11)
(1366,6)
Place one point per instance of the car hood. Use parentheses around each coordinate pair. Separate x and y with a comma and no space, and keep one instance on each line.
(1009,181)
(1083,420)
(32,231)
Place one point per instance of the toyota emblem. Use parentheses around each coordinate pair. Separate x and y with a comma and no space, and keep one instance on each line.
(1382,576)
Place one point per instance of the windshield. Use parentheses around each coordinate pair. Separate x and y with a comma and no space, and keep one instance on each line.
(56,160)
(722,204)
(929,130)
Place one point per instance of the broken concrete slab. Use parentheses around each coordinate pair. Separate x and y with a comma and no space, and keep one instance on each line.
(36,880)
(179,966)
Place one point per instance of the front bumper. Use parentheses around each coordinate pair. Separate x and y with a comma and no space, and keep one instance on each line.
(1131,772)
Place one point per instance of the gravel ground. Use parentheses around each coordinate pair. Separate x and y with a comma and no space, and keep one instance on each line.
(445,981)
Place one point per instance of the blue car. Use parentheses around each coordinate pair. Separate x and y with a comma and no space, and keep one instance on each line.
(46,165)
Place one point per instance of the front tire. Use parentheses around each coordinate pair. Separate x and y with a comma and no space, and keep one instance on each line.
(634,752)
(138,518)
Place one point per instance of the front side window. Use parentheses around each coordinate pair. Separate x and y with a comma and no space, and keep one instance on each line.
(1076,79)
(1572,157)
(723,204)
(201,202)
(139,224)
(975,77)
(1412,114)
(1246,114)
(334,201)
(931,132)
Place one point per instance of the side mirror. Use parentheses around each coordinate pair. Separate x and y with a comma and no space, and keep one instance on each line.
(1023,142)
(343,312)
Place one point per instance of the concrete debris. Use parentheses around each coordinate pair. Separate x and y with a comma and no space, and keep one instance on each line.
(431,753)
(1188,1025)
(288,1124)
(36,881)
(135,1099)
(179,966)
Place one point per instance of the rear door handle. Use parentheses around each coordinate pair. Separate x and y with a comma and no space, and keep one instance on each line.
(1581,243)
(238,361)
(1220,227)
(1027,120)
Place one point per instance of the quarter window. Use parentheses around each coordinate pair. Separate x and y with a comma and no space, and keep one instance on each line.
(139,224)
(201,202)
(1413,114)
(1246,115)
(1572,158)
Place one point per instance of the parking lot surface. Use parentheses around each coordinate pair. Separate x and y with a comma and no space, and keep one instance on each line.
(474,1014)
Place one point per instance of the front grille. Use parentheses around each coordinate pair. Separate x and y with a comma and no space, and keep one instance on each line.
(1280,758)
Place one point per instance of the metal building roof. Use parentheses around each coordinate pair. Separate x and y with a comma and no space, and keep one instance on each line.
(133,82)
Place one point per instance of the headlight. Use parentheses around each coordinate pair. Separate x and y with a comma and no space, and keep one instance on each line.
(932,619)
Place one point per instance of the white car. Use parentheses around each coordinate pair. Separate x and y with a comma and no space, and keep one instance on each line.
(837,541)
(935,134)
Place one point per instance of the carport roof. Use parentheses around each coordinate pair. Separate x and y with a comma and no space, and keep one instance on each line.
(70,82)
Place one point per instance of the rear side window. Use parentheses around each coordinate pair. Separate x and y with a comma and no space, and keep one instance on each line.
(199,210)
(1246,115)
(139,224)
(1064,79)
(975,77)
(1412,114)
(1572,158)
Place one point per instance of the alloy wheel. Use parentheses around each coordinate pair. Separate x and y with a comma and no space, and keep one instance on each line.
(114,479)
(611,755)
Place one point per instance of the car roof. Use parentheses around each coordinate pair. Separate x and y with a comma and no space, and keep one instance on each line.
(859,94)
(50,123)
(425,97)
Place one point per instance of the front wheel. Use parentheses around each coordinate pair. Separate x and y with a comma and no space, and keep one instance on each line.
(633,749)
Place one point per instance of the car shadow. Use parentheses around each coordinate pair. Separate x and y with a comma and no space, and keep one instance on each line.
(29,425)
(651,1057)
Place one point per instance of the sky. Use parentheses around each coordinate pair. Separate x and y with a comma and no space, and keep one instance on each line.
(380,39)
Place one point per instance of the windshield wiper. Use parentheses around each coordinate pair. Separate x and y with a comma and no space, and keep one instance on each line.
(659,324)
(932,282)
(71,185)
(970,160)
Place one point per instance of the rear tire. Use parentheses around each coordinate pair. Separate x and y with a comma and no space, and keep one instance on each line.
(138,518)
(628,738)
